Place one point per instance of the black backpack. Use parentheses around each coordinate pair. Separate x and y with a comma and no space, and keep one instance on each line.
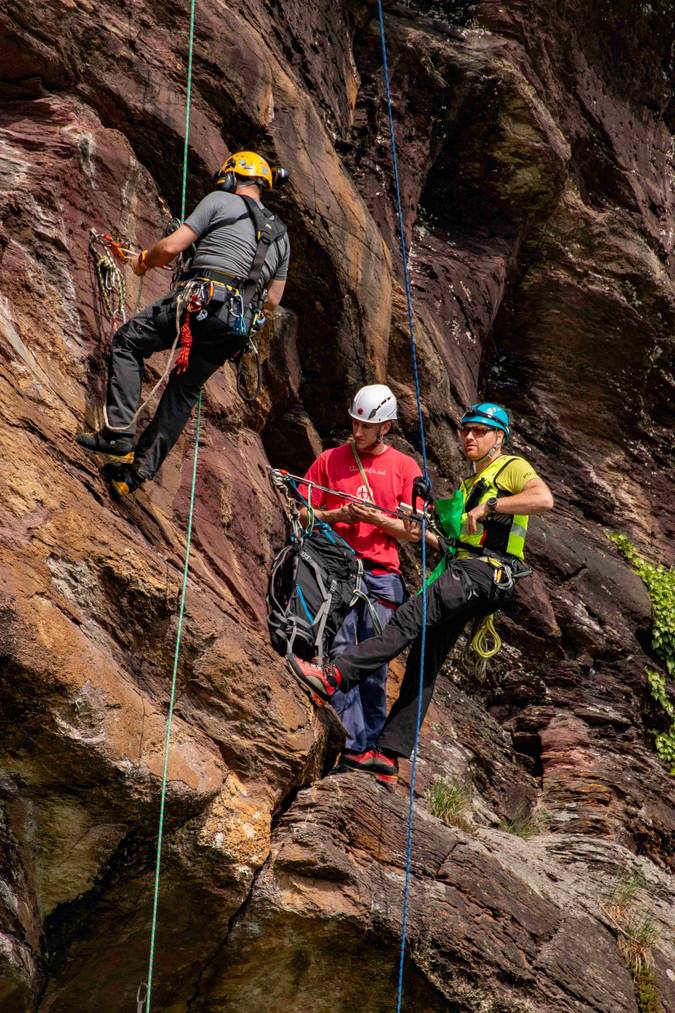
(315,580)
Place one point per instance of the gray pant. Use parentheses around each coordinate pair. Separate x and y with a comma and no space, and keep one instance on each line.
(154,330)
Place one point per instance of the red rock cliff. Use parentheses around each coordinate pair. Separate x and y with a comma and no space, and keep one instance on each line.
(536,164)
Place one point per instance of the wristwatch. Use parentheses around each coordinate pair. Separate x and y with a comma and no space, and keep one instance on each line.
(491,504)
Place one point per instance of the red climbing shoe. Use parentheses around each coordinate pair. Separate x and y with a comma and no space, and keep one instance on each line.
(321,682)
(373,761)
(118,446)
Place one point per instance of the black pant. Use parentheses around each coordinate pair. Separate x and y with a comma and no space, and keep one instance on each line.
(154,330)
(466,590)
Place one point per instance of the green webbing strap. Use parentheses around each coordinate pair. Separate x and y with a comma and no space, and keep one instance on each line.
(181,611)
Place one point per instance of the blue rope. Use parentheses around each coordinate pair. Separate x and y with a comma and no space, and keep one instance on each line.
(401,231)
(413,352)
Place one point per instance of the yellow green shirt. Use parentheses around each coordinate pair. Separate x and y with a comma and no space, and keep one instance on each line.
(513,478)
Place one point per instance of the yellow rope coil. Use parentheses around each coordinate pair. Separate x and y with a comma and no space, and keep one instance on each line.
(486,642)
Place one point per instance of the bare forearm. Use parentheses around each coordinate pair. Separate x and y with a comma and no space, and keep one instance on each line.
(273,296)
(329,516)
(395,528)
(161,254)
(526,502)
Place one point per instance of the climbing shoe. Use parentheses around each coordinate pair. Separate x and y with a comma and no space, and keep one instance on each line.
(122,481)
(372,761)
(320,682)
(118,446)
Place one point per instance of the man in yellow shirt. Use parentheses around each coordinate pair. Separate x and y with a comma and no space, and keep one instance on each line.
(497,500)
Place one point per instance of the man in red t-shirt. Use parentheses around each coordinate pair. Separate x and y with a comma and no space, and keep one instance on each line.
(368,468)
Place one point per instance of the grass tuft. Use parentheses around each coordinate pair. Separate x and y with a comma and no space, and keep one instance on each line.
(450,801)
(526,824)
(635,933)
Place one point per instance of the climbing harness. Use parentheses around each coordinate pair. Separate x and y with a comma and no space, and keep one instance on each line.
(484,640)
(235,298)
(191,295)
(181,611)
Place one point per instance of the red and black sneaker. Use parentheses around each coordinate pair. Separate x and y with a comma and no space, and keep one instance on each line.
(321,682)
(372,761)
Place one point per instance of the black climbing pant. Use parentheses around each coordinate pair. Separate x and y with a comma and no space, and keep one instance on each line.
(154,330)
(465,590)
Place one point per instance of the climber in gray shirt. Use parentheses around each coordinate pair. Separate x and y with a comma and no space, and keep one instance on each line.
(235,245)
(238,272)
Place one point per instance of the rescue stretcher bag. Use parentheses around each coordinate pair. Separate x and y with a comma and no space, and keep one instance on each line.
(315,580)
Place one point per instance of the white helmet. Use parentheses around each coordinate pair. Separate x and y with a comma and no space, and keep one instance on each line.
(374,403)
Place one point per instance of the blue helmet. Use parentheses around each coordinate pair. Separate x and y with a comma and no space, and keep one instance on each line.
(488,414)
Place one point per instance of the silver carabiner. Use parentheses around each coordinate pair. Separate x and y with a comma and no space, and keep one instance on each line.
(507,583)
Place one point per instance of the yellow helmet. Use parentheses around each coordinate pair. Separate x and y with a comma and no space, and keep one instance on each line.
(244,164)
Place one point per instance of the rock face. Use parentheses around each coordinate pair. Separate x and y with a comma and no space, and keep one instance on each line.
(535,154)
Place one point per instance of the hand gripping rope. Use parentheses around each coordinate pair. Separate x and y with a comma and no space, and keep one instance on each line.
(147,997)
(425,469)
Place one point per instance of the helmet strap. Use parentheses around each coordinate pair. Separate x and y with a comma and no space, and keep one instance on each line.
(494,449)
(380,434)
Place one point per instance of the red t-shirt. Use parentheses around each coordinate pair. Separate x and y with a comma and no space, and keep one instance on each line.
(390,474)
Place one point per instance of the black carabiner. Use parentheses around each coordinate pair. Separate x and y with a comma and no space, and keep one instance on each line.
(421,490)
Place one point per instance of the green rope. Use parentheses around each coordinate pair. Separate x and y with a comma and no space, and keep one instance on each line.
(181,612)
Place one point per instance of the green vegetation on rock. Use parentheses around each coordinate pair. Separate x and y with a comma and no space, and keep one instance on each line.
(449,801)
(660,583)
(635,934)
(526,824)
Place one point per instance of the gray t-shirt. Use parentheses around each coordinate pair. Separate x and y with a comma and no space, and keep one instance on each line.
(232,249)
